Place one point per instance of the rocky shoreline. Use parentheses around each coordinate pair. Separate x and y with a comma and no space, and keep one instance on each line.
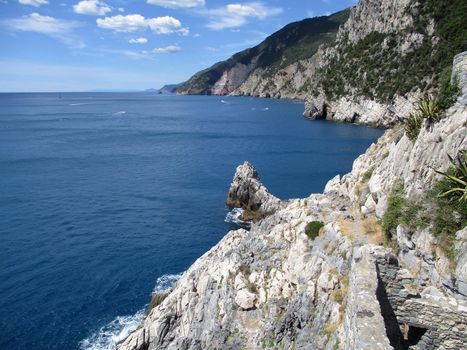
(277,286)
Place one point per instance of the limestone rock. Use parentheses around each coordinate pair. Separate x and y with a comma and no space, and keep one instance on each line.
(461,268)
(245,299)
(247,192)
(315,108)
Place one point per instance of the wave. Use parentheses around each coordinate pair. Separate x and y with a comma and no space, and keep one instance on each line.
(266,109)
(165,282)
(119,113)
(108,336)
(225,102)
(79,104)
(233,217)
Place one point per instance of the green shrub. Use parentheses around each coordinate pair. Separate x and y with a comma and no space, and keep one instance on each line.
(447,215)
(396,203)
(443,214)
(401,211)
(312,229)
(456,179)
(449,90)
(412,126)
(429,109)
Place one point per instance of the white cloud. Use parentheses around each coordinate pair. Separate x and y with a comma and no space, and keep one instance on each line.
(167,49)
(121,9)
(35,3)
(167,25)
(237,15)
(120,23)
(56,28)
(177,4)
(135,22)
(138,41)
(92,7)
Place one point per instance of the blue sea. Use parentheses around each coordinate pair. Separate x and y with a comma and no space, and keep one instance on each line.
(106,197)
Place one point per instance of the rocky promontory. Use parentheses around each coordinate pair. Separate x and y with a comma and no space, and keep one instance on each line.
(249,194)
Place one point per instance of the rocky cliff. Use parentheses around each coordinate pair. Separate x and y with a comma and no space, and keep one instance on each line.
(271,58)
(370,70)
(352,284)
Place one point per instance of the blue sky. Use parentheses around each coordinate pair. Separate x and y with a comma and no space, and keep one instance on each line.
(58,45)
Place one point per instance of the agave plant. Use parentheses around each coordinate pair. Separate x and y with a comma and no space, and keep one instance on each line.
(457,178)
(413,125)
(429,109)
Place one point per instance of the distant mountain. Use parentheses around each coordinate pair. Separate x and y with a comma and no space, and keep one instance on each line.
(169,89)
(294,42)
(165,90)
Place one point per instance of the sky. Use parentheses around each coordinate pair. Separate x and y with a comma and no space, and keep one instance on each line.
(58,45)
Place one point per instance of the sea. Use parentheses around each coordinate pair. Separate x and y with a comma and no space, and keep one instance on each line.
(106,198)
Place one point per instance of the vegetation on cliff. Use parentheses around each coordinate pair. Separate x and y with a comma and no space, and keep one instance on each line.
(442,210)
(380,67)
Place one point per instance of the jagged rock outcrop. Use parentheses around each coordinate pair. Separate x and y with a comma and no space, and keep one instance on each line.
(248,193)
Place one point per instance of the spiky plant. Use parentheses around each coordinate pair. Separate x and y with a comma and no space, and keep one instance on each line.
(429,109)
(412,126)
(457,178)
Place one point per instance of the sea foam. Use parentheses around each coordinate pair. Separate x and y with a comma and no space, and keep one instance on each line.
(233,217)
(108,336)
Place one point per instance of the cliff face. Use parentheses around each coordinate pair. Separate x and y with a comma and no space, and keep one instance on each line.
(282,285)
(370,70)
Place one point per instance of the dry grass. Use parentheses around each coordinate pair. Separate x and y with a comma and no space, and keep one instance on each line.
(337,296)
(345,285)
(330,328)
(347,228)
(358,189)
(373,230)
(157,299)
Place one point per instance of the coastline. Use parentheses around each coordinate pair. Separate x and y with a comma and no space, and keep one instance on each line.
(276,284)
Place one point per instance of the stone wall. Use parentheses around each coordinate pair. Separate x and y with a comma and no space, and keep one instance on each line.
(364,325)
(427,320)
